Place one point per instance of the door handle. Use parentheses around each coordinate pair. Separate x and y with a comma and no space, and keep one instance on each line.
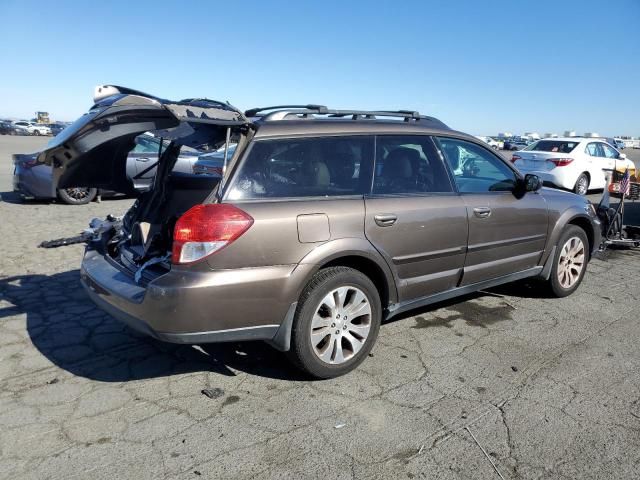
(143,159)
(482,212)
(385,219)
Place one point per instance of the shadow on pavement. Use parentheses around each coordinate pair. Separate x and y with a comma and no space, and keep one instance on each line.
(11,197)
(68,329)
(14,197)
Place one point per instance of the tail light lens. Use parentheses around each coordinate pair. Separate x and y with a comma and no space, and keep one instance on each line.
(515,157)
(27,164)
(560,162)
(207,170)
(205,229)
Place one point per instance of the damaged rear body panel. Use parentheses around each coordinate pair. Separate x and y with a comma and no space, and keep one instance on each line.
(127,268)
(93,150)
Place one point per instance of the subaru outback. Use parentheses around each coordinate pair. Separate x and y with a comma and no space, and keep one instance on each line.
(324,224)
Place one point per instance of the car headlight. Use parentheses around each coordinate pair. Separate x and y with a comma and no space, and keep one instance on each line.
(591,209)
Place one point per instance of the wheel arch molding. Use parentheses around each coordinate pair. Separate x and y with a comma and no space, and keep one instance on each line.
(358,254)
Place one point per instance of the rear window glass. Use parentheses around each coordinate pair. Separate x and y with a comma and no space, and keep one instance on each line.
(306,167)
(408,165)
(559,146)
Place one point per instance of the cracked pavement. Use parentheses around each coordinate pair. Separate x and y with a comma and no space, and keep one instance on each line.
(549,387)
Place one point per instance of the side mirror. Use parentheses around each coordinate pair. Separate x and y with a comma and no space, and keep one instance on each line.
(532,183)
(622,156)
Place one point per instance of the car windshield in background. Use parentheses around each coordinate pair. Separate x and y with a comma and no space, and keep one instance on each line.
(559,146)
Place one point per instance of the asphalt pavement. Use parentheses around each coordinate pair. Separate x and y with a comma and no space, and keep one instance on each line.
(541,388)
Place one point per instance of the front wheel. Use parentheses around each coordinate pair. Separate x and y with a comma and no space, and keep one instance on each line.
(336,322)
(77,195)
(570,262)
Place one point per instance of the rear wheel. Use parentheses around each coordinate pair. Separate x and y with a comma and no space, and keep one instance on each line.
(582,184)
(336,322)
(570,262)
(36,132)
(77,195)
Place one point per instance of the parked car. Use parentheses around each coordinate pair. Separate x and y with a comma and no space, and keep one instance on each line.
(7,128)
(619,144)
(573,163)
(212,163)
(56,128)
(36,181)
(515,144)
(490,141)
(32,128)
(327,223)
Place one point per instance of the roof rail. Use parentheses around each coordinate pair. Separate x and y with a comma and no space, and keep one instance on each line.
(254,111)
(281,112)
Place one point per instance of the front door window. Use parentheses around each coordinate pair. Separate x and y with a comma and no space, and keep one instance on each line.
(476,169)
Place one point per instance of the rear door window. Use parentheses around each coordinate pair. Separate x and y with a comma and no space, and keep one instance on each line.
(408,164)
(594,149)
(305,167)
(146,144)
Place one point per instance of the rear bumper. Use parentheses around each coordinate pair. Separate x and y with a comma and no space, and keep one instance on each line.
(194,307)
(33,182)
(597,235)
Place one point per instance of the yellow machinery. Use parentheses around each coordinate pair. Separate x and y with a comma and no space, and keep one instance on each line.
(42,117)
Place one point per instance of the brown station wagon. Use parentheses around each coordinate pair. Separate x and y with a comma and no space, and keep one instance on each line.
(325,223)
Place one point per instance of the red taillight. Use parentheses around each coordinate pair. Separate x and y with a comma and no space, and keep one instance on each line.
(205,229)
(27,164)
(560,162)
(205,169)
(515,157)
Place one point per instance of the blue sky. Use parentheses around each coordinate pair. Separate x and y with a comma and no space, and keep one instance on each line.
(480,66)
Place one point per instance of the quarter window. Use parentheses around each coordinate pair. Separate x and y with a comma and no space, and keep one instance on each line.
(408,165)
(305,167)
(475,169)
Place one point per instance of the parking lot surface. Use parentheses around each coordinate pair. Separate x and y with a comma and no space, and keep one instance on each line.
(539,387)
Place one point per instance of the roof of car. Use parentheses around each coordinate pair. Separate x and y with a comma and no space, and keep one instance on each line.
(314,119)
(575,139)
(342,126)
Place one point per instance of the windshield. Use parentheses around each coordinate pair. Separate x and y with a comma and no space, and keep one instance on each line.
(556,146)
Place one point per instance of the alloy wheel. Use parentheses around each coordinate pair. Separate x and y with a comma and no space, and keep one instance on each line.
(77,193)
(571,262)
(582,185)
(341,325)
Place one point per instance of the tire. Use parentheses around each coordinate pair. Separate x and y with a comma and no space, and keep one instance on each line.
(582,184)
(339,345)
(569,240)
(77,196)
(36,133)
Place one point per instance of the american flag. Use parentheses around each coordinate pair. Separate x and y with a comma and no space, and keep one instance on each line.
(624,183)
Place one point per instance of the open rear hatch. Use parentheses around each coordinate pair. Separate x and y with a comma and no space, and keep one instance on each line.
(92,152)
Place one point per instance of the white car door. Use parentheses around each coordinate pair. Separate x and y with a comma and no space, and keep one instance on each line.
(611,157)
(597,162)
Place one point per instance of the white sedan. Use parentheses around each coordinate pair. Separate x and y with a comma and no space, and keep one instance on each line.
(32,128)
(490,141)
(577,164)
